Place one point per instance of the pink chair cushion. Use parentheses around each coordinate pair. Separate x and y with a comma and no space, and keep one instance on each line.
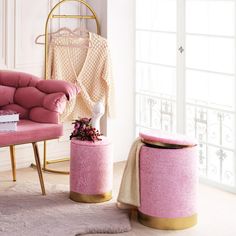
(29,97)
(6,95)
(167,138)
(55,102)
(42,115)
(29,131)
(24,113)
(17,79)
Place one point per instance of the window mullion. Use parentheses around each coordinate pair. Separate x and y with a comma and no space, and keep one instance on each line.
(180,68)
(235,98)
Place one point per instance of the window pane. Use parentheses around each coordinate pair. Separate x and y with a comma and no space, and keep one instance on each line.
(155,64)
(155,112)
(156,47)
(211,89)
(210,85)
(156,15)
(221,166)
(213,164)
(142,111)
(228,173)
(155,79)
(210,53)
(210,17)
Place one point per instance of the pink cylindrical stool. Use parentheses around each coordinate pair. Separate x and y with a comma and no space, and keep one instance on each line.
(91,171)
(168,182)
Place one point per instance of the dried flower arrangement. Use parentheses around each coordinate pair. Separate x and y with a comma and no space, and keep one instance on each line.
(84,131)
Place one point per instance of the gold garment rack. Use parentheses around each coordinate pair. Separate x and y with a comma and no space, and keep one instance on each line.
(51,15)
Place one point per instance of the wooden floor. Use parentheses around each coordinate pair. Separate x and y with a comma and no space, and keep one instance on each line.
(217,209)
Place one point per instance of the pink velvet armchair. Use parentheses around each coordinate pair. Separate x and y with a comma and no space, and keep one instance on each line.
(39,103)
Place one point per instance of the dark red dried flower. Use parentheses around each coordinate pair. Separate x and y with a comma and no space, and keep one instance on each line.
(83,130)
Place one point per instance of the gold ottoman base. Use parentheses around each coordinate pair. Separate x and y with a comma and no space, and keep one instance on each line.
(96,198)
(167,223)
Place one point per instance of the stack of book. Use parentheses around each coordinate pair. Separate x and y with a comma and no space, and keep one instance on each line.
(8,120)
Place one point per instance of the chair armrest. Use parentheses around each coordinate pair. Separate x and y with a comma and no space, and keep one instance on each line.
(55,102)
(57,86)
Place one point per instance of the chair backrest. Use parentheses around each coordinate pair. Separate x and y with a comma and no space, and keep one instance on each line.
(34,99)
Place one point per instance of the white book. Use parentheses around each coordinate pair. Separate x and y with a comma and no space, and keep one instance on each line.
(8,126)
(8,116)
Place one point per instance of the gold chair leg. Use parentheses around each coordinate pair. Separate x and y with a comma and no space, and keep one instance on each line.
(38,166)
(13,162)
(44,154)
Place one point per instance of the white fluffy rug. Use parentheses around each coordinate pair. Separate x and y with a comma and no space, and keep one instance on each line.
(23,211)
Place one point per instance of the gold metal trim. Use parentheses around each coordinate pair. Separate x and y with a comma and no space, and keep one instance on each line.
(37,161)
(165,145)
(167,223)
(78,197)
(13,161)
(45,162)
(44,154)
(58,160)
(38,166)
(51,16)
(73,16)
(56,171)
(51,170)
(56,16)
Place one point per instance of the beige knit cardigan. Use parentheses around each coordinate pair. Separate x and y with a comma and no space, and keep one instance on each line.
(88,67)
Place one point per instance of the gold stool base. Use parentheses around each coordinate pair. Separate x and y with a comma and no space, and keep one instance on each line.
(167,223)
(96,198)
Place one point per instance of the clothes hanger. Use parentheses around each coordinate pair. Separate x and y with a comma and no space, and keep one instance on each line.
(64,31)
(83,35)
(82,32)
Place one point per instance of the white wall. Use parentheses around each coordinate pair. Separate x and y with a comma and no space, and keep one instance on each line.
(120,34)
(119,30)
(22,20)
(100,7)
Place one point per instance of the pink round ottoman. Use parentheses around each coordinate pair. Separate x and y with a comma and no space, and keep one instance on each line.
(91,171)
(168,181)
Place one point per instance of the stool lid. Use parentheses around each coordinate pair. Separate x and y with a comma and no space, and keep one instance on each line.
(104,141)
(164,139)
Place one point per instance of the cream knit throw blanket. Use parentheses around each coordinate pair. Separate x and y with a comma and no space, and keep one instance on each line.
(129,189)
(87,67)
